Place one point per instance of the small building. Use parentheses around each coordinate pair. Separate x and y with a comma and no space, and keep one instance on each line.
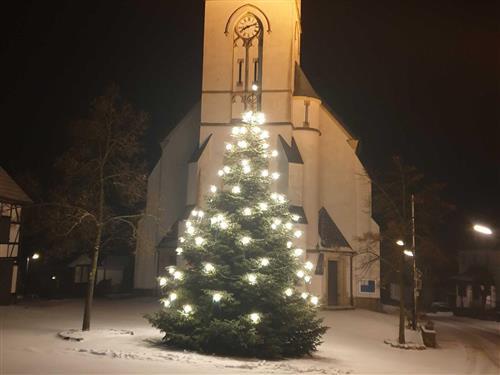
(109,277)
(12,200)
(478,280)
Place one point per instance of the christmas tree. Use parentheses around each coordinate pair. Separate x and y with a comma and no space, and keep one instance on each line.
(242,290)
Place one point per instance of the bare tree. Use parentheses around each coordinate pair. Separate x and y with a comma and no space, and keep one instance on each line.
(392,192)
(101,181)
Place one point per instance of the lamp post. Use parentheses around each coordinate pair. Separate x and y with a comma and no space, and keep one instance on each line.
(413,251)
(35,256)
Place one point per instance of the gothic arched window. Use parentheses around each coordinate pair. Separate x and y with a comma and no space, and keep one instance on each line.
(247,64)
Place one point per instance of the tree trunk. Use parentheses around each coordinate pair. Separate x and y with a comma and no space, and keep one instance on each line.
(95,258)
(92,280)
(401,338)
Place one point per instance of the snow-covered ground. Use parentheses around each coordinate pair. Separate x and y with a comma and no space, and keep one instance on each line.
(354,345)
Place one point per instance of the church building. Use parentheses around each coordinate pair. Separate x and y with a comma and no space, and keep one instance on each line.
(251,61)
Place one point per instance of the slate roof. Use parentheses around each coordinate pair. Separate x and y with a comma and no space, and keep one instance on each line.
(329,232)
(199,151)
(302,85)
(299,210)
(10,191)
(292,152)
(169,241)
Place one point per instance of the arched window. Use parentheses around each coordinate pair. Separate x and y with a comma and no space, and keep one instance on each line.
(248,37)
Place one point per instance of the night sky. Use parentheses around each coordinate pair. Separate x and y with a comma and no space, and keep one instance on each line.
(415,78)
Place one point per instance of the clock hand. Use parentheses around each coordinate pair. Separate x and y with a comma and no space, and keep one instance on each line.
(247,27)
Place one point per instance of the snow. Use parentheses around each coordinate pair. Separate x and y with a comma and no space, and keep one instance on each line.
(29,343)
(95,334)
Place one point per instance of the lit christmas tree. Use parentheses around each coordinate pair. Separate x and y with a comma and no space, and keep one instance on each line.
(243,289)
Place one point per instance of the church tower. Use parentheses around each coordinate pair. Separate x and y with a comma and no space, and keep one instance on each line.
(250,52)
(251,61)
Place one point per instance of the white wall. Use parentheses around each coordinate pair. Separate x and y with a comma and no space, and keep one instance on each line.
(166,200)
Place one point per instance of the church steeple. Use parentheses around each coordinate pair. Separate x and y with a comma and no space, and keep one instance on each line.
(250,52)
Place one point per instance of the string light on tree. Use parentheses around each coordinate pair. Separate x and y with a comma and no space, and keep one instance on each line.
(255,318)
(209,268)
(298,234)
(187,309)
(243,144)
(246,240)
(264,262)
(252,278)
(298,252)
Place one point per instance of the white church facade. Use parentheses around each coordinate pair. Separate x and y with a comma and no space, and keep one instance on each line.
(252,62)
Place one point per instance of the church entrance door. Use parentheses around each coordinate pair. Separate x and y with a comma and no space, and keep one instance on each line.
(332,283)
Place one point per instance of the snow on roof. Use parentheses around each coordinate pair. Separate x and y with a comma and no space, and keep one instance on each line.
(10,191)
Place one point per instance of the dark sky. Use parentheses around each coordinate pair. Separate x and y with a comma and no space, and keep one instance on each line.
(416,78)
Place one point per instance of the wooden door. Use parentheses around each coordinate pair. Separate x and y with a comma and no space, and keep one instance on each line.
(332,283)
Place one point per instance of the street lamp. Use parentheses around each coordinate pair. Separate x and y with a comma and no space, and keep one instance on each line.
(400,243)
(408,253)
(483,229)
(35,256)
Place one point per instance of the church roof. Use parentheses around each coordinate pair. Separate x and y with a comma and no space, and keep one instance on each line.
(329,232)
(292,152)
(199,151)
(169,241)
(10,191)
(299,210)
(302,85)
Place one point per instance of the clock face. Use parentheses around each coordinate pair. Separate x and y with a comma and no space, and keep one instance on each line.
(248,27)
